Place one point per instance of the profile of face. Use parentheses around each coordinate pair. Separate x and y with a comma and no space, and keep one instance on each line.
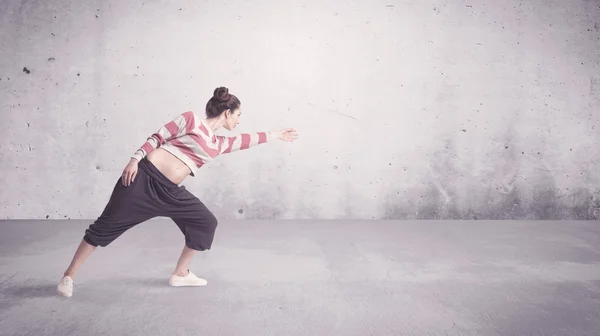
(232,118)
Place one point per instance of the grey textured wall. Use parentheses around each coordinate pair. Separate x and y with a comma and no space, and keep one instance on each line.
(406,109)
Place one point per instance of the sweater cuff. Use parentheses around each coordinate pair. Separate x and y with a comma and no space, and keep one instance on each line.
(138,155)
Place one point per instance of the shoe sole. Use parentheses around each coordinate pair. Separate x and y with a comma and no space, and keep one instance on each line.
(186,285)
(63,294)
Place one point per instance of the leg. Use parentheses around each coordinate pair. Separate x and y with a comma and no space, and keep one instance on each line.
(65,286)
(126,208)
(104,231)
(87,245)
(183,265)
(182,276)
(199,235)
(198,225)
(83,252)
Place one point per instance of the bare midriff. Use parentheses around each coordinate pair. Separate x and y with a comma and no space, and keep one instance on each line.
(173,168)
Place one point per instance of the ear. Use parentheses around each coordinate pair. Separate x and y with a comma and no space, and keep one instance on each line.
(227,113)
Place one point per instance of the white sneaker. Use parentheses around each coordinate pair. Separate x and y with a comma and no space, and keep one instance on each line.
(189,280)
(65,287)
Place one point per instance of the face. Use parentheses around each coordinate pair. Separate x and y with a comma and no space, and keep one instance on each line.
(232,118)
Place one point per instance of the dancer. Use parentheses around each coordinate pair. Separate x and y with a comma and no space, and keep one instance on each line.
(150,184)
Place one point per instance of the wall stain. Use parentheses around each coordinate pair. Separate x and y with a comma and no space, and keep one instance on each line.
(544,201)
(500,200)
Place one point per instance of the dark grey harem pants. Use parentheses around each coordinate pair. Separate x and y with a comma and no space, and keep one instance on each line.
(153,195)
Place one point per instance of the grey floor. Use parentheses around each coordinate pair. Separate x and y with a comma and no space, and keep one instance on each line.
(310,278)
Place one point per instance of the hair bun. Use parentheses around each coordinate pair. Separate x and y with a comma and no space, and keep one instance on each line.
(221,94)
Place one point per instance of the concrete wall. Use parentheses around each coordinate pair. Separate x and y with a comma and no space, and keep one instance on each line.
(406,109)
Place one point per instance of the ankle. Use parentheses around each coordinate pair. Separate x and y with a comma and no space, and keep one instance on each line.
(182,273)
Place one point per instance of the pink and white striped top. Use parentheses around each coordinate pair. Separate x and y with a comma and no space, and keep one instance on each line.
(193,142)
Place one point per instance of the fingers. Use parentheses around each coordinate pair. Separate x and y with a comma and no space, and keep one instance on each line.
(288,134)
(128,177)
(291,135)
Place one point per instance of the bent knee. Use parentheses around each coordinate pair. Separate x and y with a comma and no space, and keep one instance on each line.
(212,221)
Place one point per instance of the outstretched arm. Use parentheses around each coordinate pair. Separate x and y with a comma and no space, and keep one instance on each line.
(173,129)
(243,141)
(247,140)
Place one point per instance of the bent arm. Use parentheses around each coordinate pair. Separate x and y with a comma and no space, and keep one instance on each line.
(171,130)
(244,141)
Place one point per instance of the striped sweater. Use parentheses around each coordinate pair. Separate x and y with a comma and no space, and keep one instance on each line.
(189,138)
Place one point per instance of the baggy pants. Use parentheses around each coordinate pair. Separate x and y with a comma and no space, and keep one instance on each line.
(153,195)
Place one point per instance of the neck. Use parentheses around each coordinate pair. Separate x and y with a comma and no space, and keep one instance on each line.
(214,123)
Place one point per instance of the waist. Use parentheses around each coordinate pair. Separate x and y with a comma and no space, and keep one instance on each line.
(169,165)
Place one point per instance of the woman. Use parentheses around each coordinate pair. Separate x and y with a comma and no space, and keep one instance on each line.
(149,186)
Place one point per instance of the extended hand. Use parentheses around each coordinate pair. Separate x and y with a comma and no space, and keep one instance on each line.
(287,134)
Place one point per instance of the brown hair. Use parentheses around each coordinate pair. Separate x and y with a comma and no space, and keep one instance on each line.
(221,100)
